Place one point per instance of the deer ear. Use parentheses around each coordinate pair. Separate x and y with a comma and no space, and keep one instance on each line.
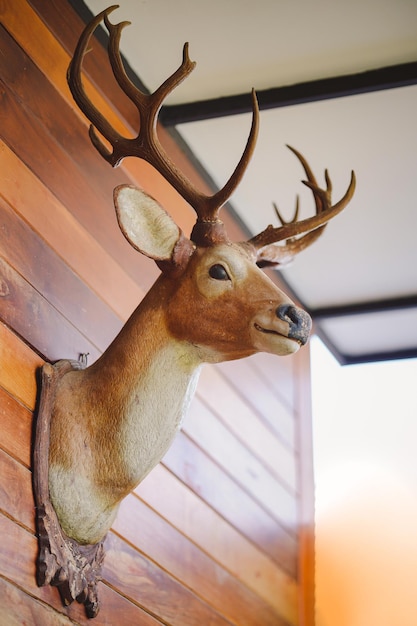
(145,224)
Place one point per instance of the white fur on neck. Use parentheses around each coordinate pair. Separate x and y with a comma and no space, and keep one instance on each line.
(156,407)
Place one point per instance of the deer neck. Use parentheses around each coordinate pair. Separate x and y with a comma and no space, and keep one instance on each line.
(117,418)
(150,377)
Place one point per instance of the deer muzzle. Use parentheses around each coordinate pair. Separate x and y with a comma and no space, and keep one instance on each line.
(299,321)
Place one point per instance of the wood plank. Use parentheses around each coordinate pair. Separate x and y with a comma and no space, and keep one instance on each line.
(17,565)
(23,191)
(89,200)
(63,124)
(202,430)
(279,374)
(19,608)
(37,322)
(238,416)
(20,19)
(17,562)
(16,496)
(273,492)
(143,583)
(174,501)
(152,535)
(16,477)
(50,276)
(16,430)
(206,479)
(267,400)
(66,26)
(19,365)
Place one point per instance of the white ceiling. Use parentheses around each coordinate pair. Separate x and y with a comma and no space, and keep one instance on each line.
(369,252)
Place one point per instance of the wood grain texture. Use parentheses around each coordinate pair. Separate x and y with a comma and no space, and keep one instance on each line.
(218,490)
(265,393)
(33,318)
(87,196)
(17,565)
(249,472)
(16,431)
(36,205)
(19,365)
(248,426)
(190,565)
(46,272)
(18,608)
(179,505)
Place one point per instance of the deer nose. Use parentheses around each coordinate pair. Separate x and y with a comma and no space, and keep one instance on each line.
(299,322)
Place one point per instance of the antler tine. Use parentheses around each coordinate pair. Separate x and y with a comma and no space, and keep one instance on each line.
(208,227)
(324,212)
(296,212)
(224,194)
(77,89)
(146,145)
(279,255)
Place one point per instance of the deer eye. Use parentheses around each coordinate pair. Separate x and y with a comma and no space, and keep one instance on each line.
(218,272)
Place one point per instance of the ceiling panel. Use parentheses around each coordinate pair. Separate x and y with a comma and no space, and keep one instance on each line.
(373,333)
(240,44)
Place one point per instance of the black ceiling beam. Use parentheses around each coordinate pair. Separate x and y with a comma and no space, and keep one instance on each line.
(394,355)
(376,306)
(312,91)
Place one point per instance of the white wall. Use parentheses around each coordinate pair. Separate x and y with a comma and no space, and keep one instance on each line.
(365,442)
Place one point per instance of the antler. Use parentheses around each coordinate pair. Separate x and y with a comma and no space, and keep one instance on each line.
(269,254)
(146,145)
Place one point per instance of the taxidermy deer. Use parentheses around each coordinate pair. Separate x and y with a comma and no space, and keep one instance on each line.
(112,422)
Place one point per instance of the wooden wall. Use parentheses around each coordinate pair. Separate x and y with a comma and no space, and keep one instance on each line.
(221,531)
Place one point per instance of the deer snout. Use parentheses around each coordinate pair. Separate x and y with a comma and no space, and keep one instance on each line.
(299,322)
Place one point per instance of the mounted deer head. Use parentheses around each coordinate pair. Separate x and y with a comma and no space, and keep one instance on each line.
(109,424)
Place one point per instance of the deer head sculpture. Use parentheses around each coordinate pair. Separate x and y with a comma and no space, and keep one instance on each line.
(101,429)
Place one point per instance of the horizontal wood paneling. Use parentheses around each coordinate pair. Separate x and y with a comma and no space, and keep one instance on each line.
(16,432)
(176,502)
(208,431)
(33,317)
(211,536)
(19,365)
(26,252)
(195,569)
(61,231)
(216,488)
(271,402)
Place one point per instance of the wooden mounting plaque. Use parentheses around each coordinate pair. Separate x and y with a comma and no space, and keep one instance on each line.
(62,562)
